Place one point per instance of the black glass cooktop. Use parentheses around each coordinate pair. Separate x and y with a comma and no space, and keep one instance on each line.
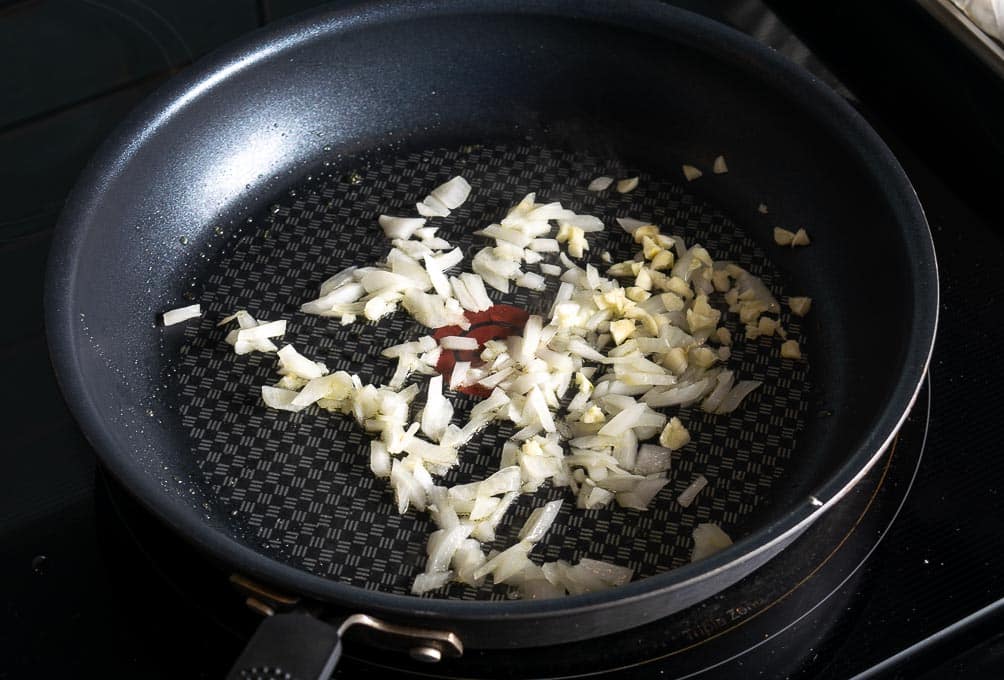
(903,579)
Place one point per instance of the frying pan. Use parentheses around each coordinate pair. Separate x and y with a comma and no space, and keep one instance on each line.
(254,175)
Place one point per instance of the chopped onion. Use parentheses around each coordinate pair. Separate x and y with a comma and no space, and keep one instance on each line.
(441,551)
(181,314)
(539,521)
(476,287)
(736,395)
(652,459)
(722,387)
(400,227)
(423,583)
(456,342)
(459,374)
(461,293)
(628,185)
(600,184)
(708,539)
(640,497)
(688,495)
(278,398)
(296,364)
(379,459)
(452,194)
(719,167)
(438,410)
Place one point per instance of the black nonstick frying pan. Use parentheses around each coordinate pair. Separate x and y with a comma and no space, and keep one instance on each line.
(257,173)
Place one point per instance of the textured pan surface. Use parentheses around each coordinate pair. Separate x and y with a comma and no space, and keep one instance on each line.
(300,483)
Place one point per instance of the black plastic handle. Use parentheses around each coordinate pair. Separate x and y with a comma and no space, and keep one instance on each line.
(290,646)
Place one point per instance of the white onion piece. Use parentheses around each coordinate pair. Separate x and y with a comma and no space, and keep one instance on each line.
(467,559)
(610,574)
(459,374)
(623,421)
(335,386)
(539,589)
(476,287)
(545,245)
(380,460)
(600,184)
(453,193)
(400,227)
(296,364)
(407,490)
(630,224)
(642,494)
(181,314)
(688,495)
(736,395)
(261,332)
(678,396)
(531,281)
(539,521)
(652,459)
(464,296)
(432,207)
(449,259)
(719,167)
(278,398)
(458,342)
(708,539)
(337,280)
(482,508)
(438,410)
(587,223)
(722,387)
(244,320)
(485,529)
(536,401)
(442,550)
(436,243)
(438,278)
(423,583)
(508,562)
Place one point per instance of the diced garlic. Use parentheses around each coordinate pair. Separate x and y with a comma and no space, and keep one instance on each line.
(791,350)
(783,237)
(799,305)
(675,436)
(627,185)
(691,173)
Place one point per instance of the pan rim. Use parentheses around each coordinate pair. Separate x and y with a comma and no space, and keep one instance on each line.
(832,112)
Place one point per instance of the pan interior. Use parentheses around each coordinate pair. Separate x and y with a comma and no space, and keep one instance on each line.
(298,486)
(152,220)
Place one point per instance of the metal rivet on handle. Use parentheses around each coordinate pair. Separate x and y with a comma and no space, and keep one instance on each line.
(426,653)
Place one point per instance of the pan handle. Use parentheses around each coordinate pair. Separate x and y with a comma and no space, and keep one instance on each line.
(298,645)
(289,645)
